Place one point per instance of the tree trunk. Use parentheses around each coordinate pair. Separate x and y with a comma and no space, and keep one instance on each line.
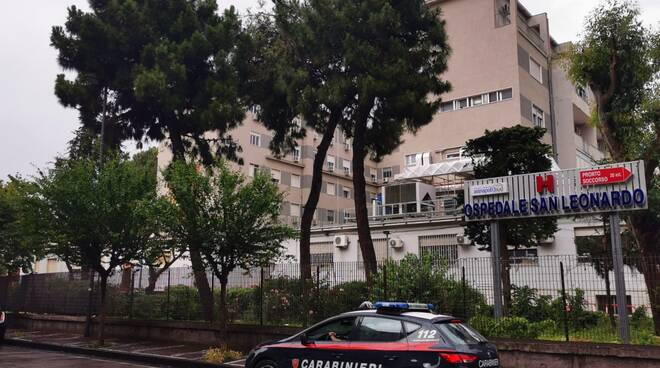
(313,199)
(103,286)
(223,310)
(202,283)
(360,200)
(126,278)
(154,274)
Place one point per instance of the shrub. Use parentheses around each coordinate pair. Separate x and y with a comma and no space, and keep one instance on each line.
(243,304)
(184,303)
(149,306)
(426,280)
(510,327)
(221,355)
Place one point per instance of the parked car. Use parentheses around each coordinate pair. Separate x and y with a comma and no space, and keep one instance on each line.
(391,335)
(2,325)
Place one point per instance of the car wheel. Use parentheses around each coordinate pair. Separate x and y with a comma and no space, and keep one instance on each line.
(266,364)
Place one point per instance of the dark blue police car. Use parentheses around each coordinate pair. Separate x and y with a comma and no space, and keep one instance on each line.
(391,335)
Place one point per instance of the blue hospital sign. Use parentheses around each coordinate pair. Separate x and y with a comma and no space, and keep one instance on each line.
(606,188)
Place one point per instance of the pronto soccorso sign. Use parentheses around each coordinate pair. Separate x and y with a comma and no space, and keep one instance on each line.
(606,188)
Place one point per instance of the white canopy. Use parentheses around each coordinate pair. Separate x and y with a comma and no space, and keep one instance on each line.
(457,167)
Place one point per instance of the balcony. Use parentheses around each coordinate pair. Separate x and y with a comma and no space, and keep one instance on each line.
(531,34)
(590,151)
(406,212)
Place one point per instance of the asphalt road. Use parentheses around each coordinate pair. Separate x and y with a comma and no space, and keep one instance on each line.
(16,357)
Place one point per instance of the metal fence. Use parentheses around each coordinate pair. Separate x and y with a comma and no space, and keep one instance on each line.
(276,295)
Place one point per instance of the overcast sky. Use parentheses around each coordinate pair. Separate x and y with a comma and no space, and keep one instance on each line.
(34,128)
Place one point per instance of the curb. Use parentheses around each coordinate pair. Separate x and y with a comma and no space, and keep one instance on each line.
(113,354)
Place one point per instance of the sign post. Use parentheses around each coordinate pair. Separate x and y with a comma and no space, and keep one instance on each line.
(600,189)
(619,281)
(496,262)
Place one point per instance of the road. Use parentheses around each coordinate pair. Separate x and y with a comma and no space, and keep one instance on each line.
(16,357)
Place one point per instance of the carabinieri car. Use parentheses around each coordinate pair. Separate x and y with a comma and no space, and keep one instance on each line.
(392,335)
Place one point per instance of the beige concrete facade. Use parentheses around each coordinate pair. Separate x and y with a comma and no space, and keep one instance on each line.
(504,72)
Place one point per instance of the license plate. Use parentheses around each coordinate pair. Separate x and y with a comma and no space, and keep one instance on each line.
(489,363)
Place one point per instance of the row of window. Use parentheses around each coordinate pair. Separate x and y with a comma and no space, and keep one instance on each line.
(477,100)
(276,175)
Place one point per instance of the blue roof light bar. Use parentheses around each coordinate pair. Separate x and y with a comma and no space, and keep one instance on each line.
(404,306)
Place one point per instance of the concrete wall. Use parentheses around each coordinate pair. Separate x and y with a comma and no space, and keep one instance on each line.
(513,354)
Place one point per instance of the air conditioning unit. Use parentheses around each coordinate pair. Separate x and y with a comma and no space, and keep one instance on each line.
(386,180)
(341,241)
(396,243)
(547,241)
(460,239)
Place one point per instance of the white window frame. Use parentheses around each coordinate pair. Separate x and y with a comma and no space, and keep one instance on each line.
(295,181)
(345,191)
(534,65)
(538,116)
(255,139)
(296,154)
(293,206)
(388,170)
(347,167)
(327,217)
(373,173)
(411,160)
(331,163)
(253,170)
(276,175)
(331,192)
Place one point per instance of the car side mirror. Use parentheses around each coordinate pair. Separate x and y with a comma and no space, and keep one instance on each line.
(304,339)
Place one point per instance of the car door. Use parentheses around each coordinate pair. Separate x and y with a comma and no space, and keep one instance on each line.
(379,342)
(327,345)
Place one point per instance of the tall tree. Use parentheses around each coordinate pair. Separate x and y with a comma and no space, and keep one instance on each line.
(157,70)
(236,221)
(103,215)
(329,77)
(510,151)
(619,60)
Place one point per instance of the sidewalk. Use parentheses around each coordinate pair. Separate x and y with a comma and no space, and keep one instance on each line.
(157,352)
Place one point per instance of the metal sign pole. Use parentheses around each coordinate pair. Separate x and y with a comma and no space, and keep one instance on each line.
(619,280)
(496,266)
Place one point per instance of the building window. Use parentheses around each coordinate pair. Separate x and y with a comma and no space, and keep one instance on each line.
(330,189)
(461,104)
(374,175)
(346,192)
(411,160)
(453,155)
(535,70)
(294,209)
(537,116)
(255,139)
(442,246)
(276,176)
(525,256)
(476,100)
(447,106)
(295,181)
(347,167)
(296,154)
(387,174)
(330,216)
(253,170)
(331,163)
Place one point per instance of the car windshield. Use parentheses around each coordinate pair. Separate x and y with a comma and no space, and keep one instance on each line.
(459,333)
